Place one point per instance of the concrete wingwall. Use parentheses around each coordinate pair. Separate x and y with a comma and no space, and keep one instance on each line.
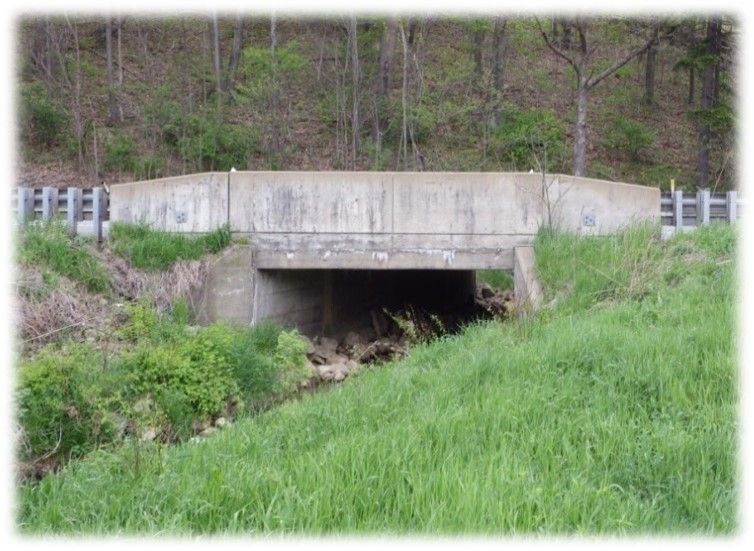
(384,220)
(191,203)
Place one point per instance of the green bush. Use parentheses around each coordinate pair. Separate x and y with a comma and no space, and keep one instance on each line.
(522,137)
(217,146)
(45,118)
(62,402)
(120,153)
(49,244)
(197,369)
(629,136)
(152,249)
(290,361)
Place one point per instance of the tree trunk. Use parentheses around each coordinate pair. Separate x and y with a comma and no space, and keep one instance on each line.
(477,37)
(120,70)
(708,84)
(387,48)
(355,125)
(213,36)
(691,85)
(649,75)
(565,41)
(579,135)
(501,49)
(113,117)
(275,141)
(235,54)
(404,89)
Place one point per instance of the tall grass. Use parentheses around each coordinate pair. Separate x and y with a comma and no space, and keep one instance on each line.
(612,412)
(500,279)
(49,245)
(151,249)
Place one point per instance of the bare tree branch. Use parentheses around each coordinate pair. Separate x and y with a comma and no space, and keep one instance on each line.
(553,48)
(632,54)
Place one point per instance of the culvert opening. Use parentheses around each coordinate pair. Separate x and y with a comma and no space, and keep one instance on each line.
(350,310)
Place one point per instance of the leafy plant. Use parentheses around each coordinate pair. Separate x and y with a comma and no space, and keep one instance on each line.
(527,137)
(45,118)
(629,136)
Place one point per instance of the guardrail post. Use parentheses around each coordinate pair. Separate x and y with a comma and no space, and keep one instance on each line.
(97,204)
(702,207)
(49,202)
(72,212)
(25,198)
(678,209)
(732,197)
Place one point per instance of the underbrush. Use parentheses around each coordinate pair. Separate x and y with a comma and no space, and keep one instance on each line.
(151,249)
(163,381)
(48,244)
(499,279)
(613,410)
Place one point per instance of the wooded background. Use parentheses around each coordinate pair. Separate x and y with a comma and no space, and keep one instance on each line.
(118,97)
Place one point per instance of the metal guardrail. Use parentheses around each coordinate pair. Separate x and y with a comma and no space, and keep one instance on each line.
(77,204)
(682,210)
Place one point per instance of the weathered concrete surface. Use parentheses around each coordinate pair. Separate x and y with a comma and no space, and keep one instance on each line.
(317,222)
(192,203)
(609,206)
(525,284)
(227,292)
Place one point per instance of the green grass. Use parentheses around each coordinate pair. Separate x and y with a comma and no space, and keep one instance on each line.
(499,279)
(49,245)
(150,249)
(612,412)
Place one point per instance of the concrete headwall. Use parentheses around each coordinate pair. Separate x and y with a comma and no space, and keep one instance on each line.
(384,220)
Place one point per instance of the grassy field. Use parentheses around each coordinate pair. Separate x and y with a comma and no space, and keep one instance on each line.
(613,411)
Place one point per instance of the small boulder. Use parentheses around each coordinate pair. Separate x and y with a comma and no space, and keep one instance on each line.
(148,434)
(221,422)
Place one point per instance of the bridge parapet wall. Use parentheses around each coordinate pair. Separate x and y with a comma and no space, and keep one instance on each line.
(384,220)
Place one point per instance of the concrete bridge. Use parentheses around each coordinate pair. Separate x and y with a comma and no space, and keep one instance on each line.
(324,245)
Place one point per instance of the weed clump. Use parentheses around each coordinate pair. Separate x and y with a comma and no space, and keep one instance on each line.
(48,244)
(151,249)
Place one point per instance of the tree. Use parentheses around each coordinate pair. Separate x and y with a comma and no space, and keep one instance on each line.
(114,116)
(708,96)
(355,78)
(235,54)
(215,41)
(387,50)
(586,80)
(501,50)
(650,64)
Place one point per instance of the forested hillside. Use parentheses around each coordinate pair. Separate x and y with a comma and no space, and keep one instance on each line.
(124,98)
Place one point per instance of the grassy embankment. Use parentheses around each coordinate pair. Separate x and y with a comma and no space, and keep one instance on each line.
(614,410)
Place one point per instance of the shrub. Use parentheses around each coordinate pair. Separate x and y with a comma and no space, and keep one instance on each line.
(211,145)
(46,119)
(120,153)
(629,136)
(63,402)
(49,244)
(195,371)
(525,136)
(152,249)
(290,361)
